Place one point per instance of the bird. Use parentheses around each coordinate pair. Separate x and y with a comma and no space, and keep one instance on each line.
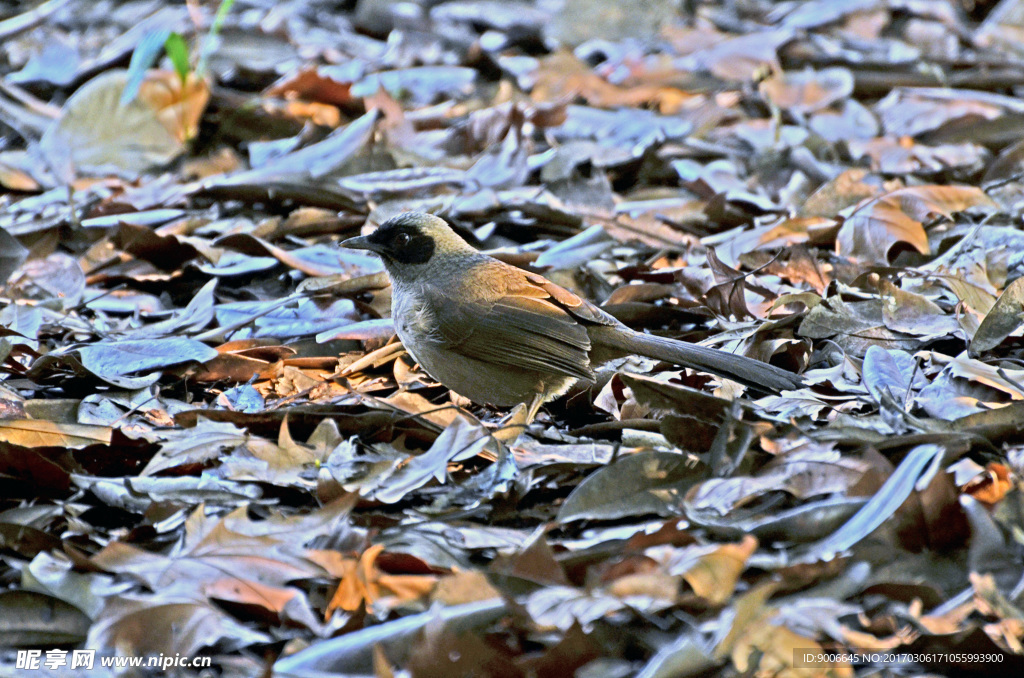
(500,335)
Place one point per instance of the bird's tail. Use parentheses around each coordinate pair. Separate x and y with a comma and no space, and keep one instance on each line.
(753,373)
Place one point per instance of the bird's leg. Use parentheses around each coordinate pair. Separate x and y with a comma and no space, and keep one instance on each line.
(534,408)
(517,421)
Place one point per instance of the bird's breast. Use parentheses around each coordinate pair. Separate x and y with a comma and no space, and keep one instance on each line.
(415,321)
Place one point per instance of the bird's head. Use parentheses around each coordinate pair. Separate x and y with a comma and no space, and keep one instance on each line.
(411,243)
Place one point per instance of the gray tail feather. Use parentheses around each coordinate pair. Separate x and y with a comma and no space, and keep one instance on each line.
(753,373)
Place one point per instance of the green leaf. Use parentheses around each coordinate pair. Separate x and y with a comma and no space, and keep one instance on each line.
(210,42)
(177,52)
(144,56)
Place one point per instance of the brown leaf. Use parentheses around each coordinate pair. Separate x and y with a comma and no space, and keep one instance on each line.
(313,84)
(715,575)
(363,583)
(271,601)
(875,227)
(463,587)
(41,433)
(846,190)
(178,104)
(807,91)
(644,483)
(563,75)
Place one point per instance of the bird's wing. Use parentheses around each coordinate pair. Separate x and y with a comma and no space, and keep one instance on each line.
(573,304)
(517,323)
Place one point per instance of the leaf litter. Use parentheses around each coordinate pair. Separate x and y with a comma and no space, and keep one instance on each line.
(211,444)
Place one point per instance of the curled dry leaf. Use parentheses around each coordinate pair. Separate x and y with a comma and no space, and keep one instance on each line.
(874,228)
(363,583)
(992,485)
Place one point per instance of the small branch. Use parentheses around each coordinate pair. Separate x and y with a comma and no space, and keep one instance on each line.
(23,22)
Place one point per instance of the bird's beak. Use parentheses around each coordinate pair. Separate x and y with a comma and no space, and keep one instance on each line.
(359,243)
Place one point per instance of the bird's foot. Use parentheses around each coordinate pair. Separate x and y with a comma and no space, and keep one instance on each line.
(513,424)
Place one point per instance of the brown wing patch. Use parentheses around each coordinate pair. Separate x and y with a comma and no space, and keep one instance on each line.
(515,331)
(572,303)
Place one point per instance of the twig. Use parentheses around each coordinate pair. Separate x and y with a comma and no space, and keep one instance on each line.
(25,21)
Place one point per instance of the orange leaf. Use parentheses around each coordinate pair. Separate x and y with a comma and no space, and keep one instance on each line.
(991,486)
(363,582)
(350,592)
(178,105)
(715,575)
(563,75)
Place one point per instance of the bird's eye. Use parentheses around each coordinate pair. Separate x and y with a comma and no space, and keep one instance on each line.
(402,239)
